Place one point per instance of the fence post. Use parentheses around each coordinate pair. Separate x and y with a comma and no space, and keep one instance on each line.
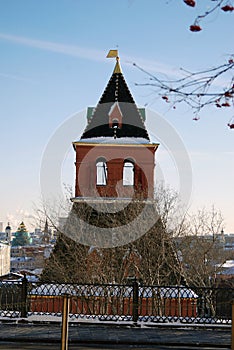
(65,319)
(233,325)
(24,292)
(135,301)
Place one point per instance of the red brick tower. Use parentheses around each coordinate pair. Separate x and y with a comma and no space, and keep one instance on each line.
(114,157)
(110,237)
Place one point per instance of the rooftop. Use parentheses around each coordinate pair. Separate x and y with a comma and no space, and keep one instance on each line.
(118,97)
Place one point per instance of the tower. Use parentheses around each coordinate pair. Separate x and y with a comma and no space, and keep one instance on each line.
(8,233)
(46,235)
(114,187)
(114,156)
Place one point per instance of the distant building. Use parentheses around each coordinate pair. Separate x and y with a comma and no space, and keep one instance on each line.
(229,242)
(5,235)
(8,233)
(227,273)
(46,235)
(22,262)
(2,236)
(5,250)
(36,236)
(22,236)
(29,257)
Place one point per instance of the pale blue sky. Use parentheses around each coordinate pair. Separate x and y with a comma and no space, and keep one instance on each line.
(53,64)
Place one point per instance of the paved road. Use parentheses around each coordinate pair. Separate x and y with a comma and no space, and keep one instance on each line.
(43,346)
(97,336)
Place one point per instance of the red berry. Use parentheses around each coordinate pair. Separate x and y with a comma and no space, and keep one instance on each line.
(195,28)
(191,3)
(228,94)
(226,104)
(227,8)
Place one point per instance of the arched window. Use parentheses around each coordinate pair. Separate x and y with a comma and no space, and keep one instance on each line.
(128,173)
(101,172)
(115,124)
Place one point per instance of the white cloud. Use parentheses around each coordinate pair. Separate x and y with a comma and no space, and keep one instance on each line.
(151,66)
(15,77)
(71,50)
(87,53)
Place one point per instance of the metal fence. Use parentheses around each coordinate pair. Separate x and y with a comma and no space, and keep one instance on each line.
(133,302)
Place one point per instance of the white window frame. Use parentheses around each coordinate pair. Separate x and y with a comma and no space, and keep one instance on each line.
(128,173)
(101,173)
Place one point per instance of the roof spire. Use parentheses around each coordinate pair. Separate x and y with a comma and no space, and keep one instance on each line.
(114,53)
(130,119)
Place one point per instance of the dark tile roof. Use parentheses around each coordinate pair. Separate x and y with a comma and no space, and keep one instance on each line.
(132,121)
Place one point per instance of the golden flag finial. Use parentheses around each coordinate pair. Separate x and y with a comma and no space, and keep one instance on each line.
(114,53)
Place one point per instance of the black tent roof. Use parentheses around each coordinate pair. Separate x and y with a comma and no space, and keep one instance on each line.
(132,121)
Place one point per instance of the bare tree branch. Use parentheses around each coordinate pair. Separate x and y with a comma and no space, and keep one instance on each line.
(196,89)
(211,86)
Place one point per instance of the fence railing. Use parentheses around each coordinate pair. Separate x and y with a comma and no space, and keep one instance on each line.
(114,302)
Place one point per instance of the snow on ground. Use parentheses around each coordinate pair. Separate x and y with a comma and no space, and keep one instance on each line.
(119,320)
